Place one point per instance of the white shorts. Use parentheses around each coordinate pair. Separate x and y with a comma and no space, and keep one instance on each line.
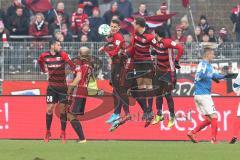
(205,105)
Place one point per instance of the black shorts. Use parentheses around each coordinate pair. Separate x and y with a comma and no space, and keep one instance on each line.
(56,95)
(143,69)
(166,81)
(77,106)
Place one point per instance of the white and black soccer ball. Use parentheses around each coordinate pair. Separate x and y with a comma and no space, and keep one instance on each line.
(104,30)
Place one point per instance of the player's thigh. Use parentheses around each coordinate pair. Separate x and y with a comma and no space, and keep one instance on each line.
(209,105)
(140,81)
(205,105)
(52,97)
(199,105)
(50,108)
(147,82)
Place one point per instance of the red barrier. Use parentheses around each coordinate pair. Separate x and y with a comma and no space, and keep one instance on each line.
(23,117)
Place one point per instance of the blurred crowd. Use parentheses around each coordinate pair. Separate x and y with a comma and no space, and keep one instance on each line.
(84,22)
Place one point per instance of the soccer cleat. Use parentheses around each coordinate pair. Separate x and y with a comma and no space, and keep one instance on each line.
(63,137)
(233,140)
(47,136)
(144,117)
(192,137)
(149,119)
(113,118)
(171,122)
(157,119)
(81,141)
(120,122)
(214,141)
(114,126)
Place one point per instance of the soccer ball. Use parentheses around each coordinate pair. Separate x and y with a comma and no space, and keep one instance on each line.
(104,30)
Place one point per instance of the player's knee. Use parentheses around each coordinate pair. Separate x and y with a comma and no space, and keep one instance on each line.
(71,117)
(62,109)
(49,111)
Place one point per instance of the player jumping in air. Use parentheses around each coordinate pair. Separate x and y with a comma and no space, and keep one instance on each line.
(202,95)
(117,56)
(143,66)
(165,76)
(78,90)
(53,62)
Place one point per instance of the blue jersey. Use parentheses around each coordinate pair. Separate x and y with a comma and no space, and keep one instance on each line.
(203,78)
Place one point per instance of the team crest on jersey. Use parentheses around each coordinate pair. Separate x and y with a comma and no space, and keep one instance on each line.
(144,40)
(58,58)
(161,45)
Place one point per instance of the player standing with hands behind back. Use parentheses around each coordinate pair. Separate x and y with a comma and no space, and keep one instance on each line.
(203,100)
(53,63)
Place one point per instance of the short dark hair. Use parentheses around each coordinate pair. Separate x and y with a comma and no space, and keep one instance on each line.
(140,21)
(160,31)
(53,41)
(115,21)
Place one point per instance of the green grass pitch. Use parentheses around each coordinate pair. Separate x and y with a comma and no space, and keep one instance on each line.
(116,150)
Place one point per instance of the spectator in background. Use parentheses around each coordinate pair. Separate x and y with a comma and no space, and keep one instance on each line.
(235,18)
(224,45)
(198,34)
(38,27)
(84,38)
(89,5)
(60,9)
(189,39)
(179,37)
(205,38)
(163,9)
(67,34)
(17,24)
(58,35)
(112,12)
(78,19)
(204,24)
(142,10)
(125,7)
(211,34)
(86,31)
(187,30)
(224,36)
(95,21)
(2,16)
(167,25)
(57,24)
(11,11)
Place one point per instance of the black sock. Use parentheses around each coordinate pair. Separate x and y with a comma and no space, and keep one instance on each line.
(117,105)
(143,103)
(150,103)
(78,128)
(125,103)
(159,103)
(63,119)
(170,103)
(48,120)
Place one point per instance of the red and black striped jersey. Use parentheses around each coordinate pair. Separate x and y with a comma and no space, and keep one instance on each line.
(86,70)
(165,55)
(141,46)
(54,65)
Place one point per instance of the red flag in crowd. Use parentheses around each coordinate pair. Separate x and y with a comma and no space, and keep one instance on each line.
(152,21)
(185,3)
(39,5)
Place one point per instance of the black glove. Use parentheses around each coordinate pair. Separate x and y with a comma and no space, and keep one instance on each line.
(177,65)
(230,75)
(215,80)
